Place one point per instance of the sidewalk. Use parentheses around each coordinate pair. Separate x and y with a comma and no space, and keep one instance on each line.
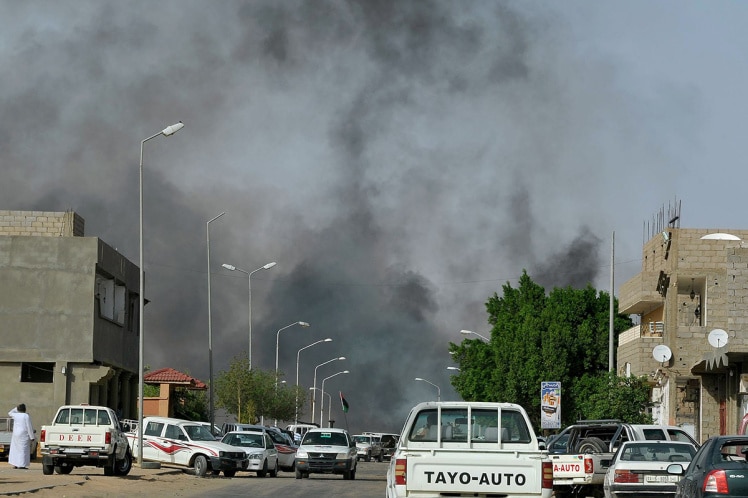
(18,481)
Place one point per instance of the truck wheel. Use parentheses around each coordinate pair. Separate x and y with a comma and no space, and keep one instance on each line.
(379,457)
(200,466)
(110,466)
(48,470)
(123,467)
(274,472)
(558,493)
(264,471)
(368,457)
(591,445)
(63,469)
(299,474)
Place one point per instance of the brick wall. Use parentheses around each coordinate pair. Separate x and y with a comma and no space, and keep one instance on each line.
(41,223)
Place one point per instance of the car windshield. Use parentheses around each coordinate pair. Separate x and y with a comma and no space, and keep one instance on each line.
(325,438)
(245,440)
(199,433)
(362,439)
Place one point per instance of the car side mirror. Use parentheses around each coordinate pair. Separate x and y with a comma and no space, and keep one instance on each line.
(675,469)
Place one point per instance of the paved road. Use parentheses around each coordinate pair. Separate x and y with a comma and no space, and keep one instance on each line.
(369,483)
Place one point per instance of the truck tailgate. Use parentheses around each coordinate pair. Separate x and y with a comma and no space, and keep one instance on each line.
(568,466)
(75,436)
(489,472)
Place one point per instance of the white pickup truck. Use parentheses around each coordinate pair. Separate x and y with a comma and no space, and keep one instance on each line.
(581,453)
(85,435)
(468,449)
(187,444)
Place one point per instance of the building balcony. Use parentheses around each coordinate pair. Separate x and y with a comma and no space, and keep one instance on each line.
(639,295)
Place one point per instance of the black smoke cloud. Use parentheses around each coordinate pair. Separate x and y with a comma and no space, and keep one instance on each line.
(399,160)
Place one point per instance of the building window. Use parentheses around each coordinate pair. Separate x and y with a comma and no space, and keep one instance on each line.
(37,372)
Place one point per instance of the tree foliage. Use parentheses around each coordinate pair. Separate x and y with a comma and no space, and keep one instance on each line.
(560,336)
(252,394)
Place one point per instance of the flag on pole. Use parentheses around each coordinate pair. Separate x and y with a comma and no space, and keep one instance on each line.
(343,402)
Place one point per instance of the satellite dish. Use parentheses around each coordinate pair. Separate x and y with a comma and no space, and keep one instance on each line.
(720,236)
(662,353)
(718,338)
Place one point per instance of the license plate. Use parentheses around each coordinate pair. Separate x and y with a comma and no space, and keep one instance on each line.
(662,479)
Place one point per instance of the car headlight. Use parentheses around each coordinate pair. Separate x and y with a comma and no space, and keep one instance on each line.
(342,456)
(255,456)
(301,454)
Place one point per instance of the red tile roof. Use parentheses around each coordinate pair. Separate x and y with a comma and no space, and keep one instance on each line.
(171,376)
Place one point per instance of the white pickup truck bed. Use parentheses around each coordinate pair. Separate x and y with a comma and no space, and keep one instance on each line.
(454,448)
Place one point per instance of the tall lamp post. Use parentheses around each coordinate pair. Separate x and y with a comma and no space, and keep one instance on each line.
(469,332)
(277,339)
(167,132)
(322,403)
(329,406)
(438,389)
(454,368)
(210,327)
(296,416)
(249,283)
(314,393)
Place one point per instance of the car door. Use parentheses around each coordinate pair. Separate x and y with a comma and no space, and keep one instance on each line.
(271,452)
(152,441)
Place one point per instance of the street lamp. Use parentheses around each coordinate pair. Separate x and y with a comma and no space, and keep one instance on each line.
(329,406)
(249,284)
(323,392)
(277,338)
(296,417)
(314,395)
(210,327)
(468,332)
(168,131)
(454,368)
(438,390)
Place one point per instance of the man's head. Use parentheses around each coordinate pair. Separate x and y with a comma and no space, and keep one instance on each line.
(21,408)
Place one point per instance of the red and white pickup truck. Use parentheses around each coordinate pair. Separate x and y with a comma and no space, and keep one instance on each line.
(85,435)
(455,448)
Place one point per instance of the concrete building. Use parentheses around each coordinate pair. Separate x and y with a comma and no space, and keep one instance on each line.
(692,300)
(68,317)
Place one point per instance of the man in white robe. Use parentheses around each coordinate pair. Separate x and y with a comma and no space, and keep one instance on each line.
(23,433)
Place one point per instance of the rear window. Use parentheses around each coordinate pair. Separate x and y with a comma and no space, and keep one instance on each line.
(483,425)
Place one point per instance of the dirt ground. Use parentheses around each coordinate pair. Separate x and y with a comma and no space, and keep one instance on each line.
(91,482)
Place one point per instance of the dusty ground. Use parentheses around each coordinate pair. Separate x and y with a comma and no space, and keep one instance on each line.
(91,482)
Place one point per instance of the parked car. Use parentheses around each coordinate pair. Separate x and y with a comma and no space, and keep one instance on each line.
(368,447)
(284,442)
(719,469)
(260,450)
(326,451)
(6,434)
(639,468)
(187,444)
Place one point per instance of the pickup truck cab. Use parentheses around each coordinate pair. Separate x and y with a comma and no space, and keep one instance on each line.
(182,443)
(368,447)
(581,453)
(457,448)
(85,435)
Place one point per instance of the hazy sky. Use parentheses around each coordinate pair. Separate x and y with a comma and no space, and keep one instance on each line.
(400,160)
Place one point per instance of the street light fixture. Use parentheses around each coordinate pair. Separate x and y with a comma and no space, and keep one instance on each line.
(322,404)
(454,368)
(210,327)
(277,338)
(314,395)
(468,332)
(249,284)
(438,389)
(168,131)
(296,417)
(329,406)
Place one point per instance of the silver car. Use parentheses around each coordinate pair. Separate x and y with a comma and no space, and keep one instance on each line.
(639,468)
(260,450)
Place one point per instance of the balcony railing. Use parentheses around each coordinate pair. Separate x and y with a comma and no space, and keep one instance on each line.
(648,329)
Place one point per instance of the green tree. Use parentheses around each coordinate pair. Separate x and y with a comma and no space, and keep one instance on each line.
(536,337)
(606,395)
(250,395)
